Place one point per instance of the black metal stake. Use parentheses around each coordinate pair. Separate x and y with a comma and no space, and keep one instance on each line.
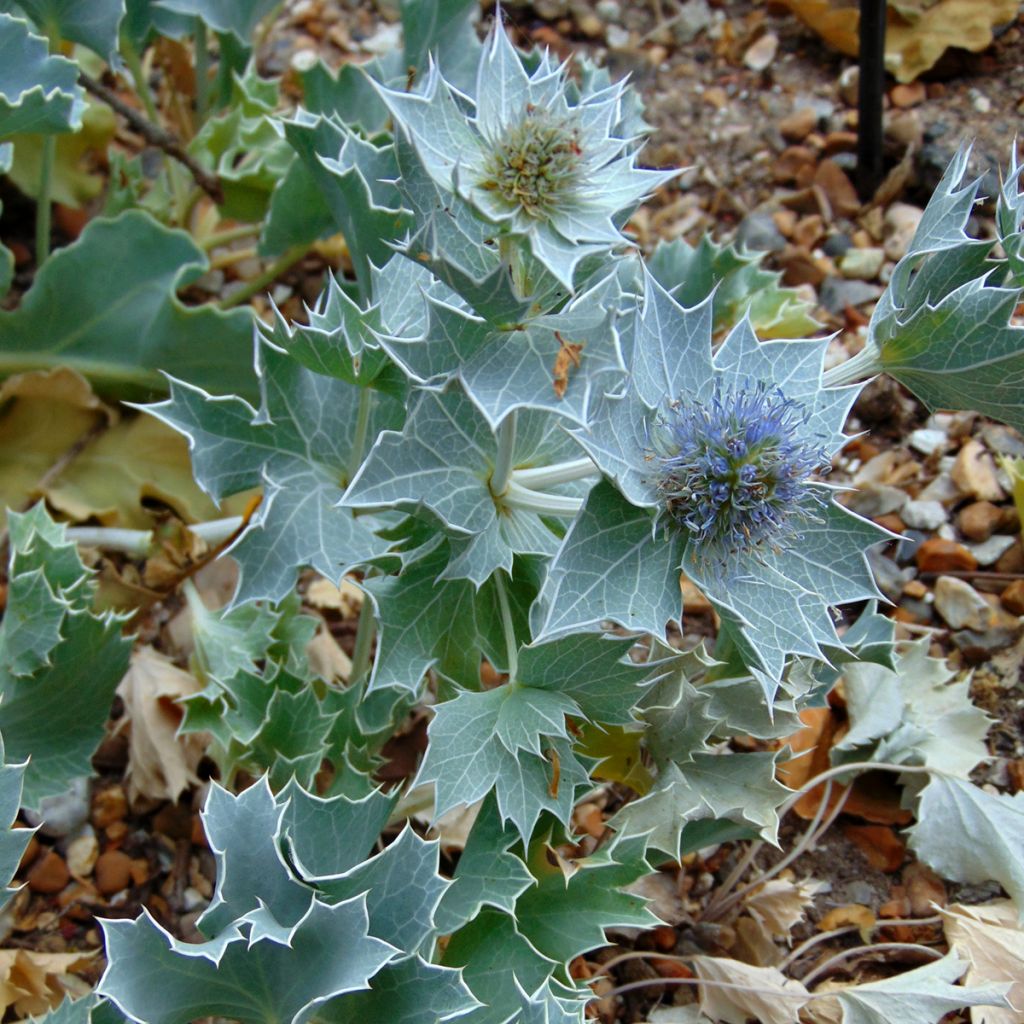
(870,168)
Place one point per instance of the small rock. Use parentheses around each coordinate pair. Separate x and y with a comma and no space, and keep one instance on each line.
(928,441)
(609,10)
(862,264)
(849,85)
(982,104)
(990,551)
(938,555)
(1003,440)
(979,520)
(898,228)
(762,52)
(876,500)
(941,489)
(979,647)
(109,805)
(798,125)
(795,164)
(113,872)
(193,899)
(81,855)
(617,37)
(49,874)
(1013,598)
(838,294)
(590,24)
(924,515)
(836,244)
(692,18)
(905,128)
(908,94)
(838,188)
(1012,559)
(63,814)
(808,230)
(758,231)
(891,579)
(974,472)
(960,605)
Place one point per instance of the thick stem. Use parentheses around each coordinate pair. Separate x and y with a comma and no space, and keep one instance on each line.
(880,947)
(365,631)
(202,56)
(540,501)
(871,89)
(362,431)
(511,644)
(557,473)
(43,211)
(260,281)
(228,235)
(503,460)
(139,542)
(864,364)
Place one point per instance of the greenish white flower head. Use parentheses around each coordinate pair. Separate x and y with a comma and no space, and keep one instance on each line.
(535,155)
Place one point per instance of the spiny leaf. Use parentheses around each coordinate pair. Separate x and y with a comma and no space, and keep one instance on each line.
(94,24)
(39,93)
(105,306)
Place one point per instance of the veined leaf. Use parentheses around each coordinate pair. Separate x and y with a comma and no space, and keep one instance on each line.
(38,92)
(105,306)
(94,24)
(969,835)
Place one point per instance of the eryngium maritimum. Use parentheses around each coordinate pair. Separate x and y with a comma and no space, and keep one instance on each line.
(533,155)
(733,469)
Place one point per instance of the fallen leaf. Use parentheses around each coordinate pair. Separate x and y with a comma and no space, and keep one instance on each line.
(880,845)
(323,593)
(326,659)
(851,914)
(990,939)
(568,358)
(770,997)
(917,34)
(780,904)
(161,765)
(32,982)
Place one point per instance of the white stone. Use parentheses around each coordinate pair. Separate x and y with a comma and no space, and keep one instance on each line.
(927,442)
(960,605)
(989,551)
(924,515)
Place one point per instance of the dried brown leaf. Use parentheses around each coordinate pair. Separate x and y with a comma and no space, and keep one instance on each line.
(768,995)
(32,983)
(161,765)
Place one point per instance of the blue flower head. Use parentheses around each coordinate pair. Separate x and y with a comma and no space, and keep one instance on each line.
(734,469)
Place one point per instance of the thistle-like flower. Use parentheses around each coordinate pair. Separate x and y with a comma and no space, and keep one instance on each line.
(715,456)
(734,469)
(534,155)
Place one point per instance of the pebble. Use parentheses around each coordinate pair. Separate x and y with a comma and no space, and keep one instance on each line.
(928,441)
(990,551)
(63,814)
(617,37)
(905,128)
(838,294)
(758,231)
(1013,598)
(974,472)
(978,521)
(978,647)
(81,855)
(862,264)
(898,228)
(798,125)
(938,555)
(762,52)
(941,489)
(1003,440)
(924,515)
(49,874)
(891,579)
(1012,559)
(109,805)
(909,94)
(849,85)
(876,500)
(609,10)
(838,188)
(113,872)
(960,605)
(691,19)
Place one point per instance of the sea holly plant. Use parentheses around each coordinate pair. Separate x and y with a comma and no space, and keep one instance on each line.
(524,445)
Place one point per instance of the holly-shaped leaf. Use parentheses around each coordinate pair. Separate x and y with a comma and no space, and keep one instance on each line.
(94,24)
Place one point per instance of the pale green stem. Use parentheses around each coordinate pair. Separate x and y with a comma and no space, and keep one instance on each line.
(364,641)
(557,473)
(202,57)
(503,459)
(838,933)
(540,501)
(879,947)
(43,200)
(864,364)
(139,542)
(271,274)
(362,431)
(511,646)
(228,235)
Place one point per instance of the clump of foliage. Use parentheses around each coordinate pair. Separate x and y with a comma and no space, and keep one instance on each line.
(517,436)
